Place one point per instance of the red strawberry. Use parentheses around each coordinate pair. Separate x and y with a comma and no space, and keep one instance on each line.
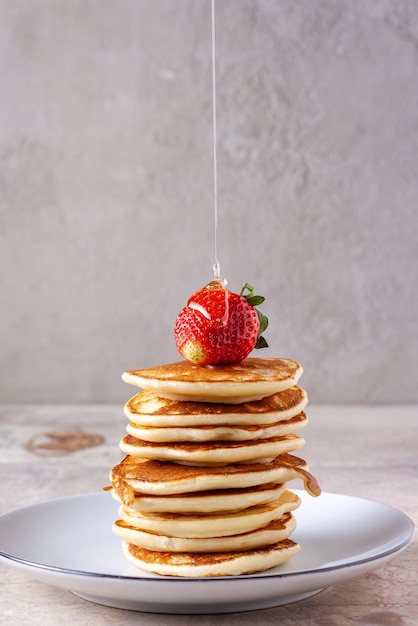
(219,326)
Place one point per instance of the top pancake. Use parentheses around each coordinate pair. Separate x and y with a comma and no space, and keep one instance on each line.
(251,379)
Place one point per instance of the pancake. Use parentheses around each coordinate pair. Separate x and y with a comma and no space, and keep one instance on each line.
(275,531)
(132,475)
(211,564)
(251,379)
(217,433)
(203,488)
(211,525)
(147,409)
(206,501)
(213,452)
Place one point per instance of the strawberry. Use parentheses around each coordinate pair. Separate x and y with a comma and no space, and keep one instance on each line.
(219,326)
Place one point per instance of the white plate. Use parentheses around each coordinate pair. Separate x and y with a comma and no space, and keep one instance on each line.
(68,543)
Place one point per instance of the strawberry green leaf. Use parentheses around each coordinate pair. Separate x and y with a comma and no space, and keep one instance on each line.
(263,321)
(261,343)
(255,300)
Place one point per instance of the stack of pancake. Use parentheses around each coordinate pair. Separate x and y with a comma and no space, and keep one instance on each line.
(203,486)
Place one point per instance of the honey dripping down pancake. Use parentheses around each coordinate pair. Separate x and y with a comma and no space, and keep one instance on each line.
(131,476)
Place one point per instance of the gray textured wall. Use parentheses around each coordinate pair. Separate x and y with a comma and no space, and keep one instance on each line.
(106,218)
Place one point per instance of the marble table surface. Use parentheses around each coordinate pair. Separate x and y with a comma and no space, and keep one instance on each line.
(369,452)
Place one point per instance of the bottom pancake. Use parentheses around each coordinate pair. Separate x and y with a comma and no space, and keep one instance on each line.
(191,564)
